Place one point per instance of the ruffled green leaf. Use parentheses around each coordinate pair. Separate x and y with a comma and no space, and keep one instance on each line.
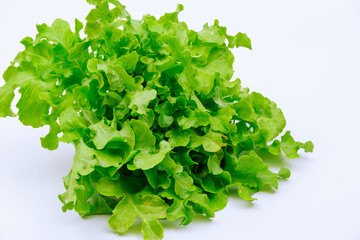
(148,208)
(146,160)
(105,134)
(284,172)
(211,142)
(6,97)
(290,147)
(58,32)
(83,164)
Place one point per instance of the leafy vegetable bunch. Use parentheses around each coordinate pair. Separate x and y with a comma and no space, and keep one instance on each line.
(159,129)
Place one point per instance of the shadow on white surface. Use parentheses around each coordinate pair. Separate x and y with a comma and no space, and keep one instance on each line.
(272,160)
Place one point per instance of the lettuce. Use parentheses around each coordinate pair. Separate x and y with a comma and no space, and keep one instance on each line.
(159,129)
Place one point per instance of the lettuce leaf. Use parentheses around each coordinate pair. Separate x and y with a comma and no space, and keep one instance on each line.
(161,130)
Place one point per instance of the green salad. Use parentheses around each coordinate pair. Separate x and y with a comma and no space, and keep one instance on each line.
(161,128)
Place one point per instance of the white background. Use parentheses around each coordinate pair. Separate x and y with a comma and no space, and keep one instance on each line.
(305,57)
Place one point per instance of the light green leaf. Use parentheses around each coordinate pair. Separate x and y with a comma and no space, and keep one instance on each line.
(245,193)
(170,166)
(284,172)
(244,110)
(212,141)
(124,215)
(212,34)
(83,164)
(184,185)
(6,97)
(148,208)
(290,147)
(178,137)
(195,119)
(204,82)
(31,108)
(201,204)
(70,125)
(59,32)
(218,200)
(219,61)
(140,100)
(179,209)
(221,120)
(242,40)
(247,168)
(144,139)
(88,200)
(124,77)
(79,51)
(105,134)
(267,177)
(110,188)
(214,164)
(128,61)
(93,30)
(147,160)
(51,140)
